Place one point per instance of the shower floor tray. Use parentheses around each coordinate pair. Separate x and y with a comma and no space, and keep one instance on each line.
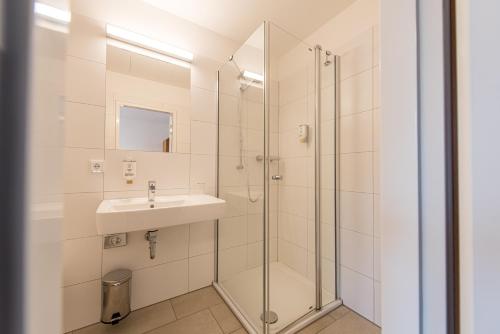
(291,294)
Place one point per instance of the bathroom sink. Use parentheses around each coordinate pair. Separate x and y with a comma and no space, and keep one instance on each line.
(138,214)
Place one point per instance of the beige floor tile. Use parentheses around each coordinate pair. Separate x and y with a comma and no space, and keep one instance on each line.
(195,301)
(199,323)
(225,318)
(318,325)
(240,331)
(351,323)
(137,322)
(339,312)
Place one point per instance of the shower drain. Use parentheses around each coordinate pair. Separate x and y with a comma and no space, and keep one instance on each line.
(271,317)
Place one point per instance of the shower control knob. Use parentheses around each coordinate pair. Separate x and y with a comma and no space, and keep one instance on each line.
(277,177)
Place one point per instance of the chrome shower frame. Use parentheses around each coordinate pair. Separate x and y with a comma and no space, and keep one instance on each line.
(319,310)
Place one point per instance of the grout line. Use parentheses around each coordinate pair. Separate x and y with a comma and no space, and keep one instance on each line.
(215,318)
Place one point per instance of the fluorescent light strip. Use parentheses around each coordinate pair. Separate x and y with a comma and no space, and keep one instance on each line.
(252,76)
(52,13)
(147,53)
(148,43)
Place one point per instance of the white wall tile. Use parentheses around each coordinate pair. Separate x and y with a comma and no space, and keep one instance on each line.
(203,171)
(356,93)
(328,278)
(201,271)
(168,170)
(231,112)
(255,226)
(376,173)
(232,261)
(255,254)
(376,259)
(294,171)
(255,116)
(293,229)
(357,252)
(204,73)
(293,256)
(80,215)
(378,305)
(203,138)
(356,172)
(376,130)
(356,212)
(358,57)
(327,177)
(201,238)
(327,139)
(232,232)
(293,114)
(357,292)
(155,284)
(328,242)
(87,39)
(82,305)
(293,87)
(376,215)
(82,260)
(172,245)
(293,200)
(376,87)
(356,133)
(203,105)
(85,81)
(83,125)
(77,176)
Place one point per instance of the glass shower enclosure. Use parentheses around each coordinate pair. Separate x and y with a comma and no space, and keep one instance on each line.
(276,247)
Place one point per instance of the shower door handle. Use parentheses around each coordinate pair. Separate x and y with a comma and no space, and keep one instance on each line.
(277,177)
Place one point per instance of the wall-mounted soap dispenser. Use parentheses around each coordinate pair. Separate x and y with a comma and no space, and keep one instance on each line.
(303,132)
(129,170)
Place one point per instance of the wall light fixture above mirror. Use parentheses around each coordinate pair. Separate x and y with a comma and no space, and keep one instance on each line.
(148,98)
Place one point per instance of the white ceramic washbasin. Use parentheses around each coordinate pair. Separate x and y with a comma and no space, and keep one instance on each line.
(136,214)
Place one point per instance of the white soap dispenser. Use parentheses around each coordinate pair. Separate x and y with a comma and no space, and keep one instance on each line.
(303,132)
(129,170)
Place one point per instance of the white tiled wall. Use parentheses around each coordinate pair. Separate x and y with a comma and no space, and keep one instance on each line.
(185,256)
(360,241)
(296,230)
(353,35)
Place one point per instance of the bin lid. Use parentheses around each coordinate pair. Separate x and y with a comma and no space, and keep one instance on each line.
(117,276)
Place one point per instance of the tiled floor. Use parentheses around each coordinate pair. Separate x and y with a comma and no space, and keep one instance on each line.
(204,312)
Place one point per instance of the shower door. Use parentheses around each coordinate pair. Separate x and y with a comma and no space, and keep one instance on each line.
(240,234)
(300,178)
(276,244)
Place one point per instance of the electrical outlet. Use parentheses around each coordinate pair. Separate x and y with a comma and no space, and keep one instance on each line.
(97,166)
(115,240)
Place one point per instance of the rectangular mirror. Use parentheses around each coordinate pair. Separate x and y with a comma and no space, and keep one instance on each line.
(144,129)
(148,102)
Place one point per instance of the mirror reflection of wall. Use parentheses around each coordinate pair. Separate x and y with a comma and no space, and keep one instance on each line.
(147,102)
(144,130)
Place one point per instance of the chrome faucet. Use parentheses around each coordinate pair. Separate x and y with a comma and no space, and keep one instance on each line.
(151,191)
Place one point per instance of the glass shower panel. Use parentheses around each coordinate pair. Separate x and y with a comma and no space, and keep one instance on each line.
(241,178)
(328,177)
(291,167)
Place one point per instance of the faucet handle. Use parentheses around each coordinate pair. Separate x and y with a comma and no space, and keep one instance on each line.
(152,185)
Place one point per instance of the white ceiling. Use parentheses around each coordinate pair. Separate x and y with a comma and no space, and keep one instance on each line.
(237,19)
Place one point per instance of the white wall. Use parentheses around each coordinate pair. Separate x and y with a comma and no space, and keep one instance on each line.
(354,36)
(43,265)
(399,175)
(185,254)
(479,84)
